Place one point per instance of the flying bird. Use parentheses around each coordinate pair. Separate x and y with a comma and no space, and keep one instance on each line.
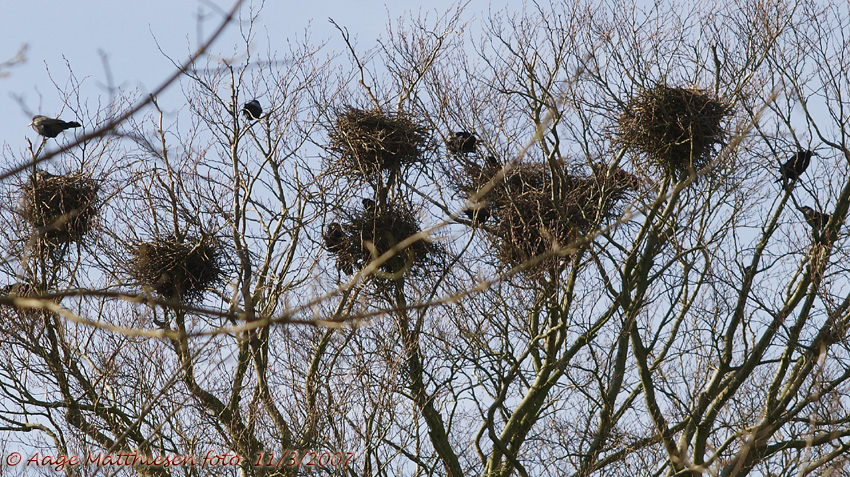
(50,127)
(252,110)
(816,220)
(795,166)
(463,142)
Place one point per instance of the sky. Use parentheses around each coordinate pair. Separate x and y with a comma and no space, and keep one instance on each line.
(90,34)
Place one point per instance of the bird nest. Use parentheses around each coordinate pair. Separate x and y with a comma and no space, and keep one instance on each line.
(62,208)
(180,270)
(370,232)
(535,213)
(24,319)
(676,128)
(371,141)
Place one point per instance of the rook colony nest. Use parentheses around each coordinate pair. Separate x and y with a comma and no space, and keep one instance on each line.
(62,208)
(534,211)
(673,127)
(372,231)
(369,141)
(179,270)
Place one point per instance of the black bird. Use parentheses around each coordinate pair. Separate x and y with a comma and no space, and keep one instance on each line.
(816,220)
(252,110)
(368,205)
(463,142)
(49,127)
(794,167)
(334,238)
(335,242)
(478,216)
(493,163)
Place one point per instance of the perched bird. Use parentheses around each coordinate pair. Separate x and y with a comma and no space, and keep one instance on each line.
(794,167)
(368,205)
(816,220)
(49,127)
(41,175)
(252,110)
(335,242)
(334,237)
(463,142)
(478,215)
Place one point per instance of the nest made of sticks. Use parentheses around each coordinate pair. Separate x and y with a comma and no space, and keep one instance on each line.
(62,208)
(675,128)
(371,141)
(24,319)
(535,212)
(179,269)
(369,232)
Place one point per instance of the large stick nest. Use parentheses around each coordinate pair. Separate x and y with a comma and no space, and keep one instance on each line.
(370,232)
(371,141)
(180,270)
(62,208)
(535,212)
(675,128)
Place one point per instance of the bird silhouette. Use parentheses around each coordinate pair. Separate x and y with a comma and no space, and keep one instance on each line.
(50,127)
(795,166)
(335,242)
(816,220)
(252,110)
(478,215)
(368,205)
(334,237)
(462,142)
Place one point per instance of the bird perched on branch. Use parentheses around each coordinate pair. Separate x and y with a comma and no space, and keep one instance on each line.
(368,205)
(478,215)
(462,142)
(50,127)
(334,237)
(252,110)
(816,220)
(795,166)
(335,242)
(41,175)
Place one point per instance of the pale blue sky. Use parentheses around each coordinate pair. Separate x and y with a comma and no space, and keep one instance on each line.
(128,32)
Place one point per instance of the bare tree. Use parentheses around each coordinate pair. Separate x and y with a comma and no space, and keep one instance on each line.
(547,242)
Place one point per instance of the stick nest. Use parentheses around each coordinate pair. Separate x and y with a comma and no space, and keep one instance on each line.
(180,270)
(674,127)
(534,212)
(370,232)
(371,141)
(63,209)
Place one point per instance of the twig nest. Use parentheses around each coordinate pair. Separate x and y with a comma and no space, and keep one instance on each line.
(24,320)
(675,128)
(372,231)
(536,211)
(180,270)
(371,141)
(62,208)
